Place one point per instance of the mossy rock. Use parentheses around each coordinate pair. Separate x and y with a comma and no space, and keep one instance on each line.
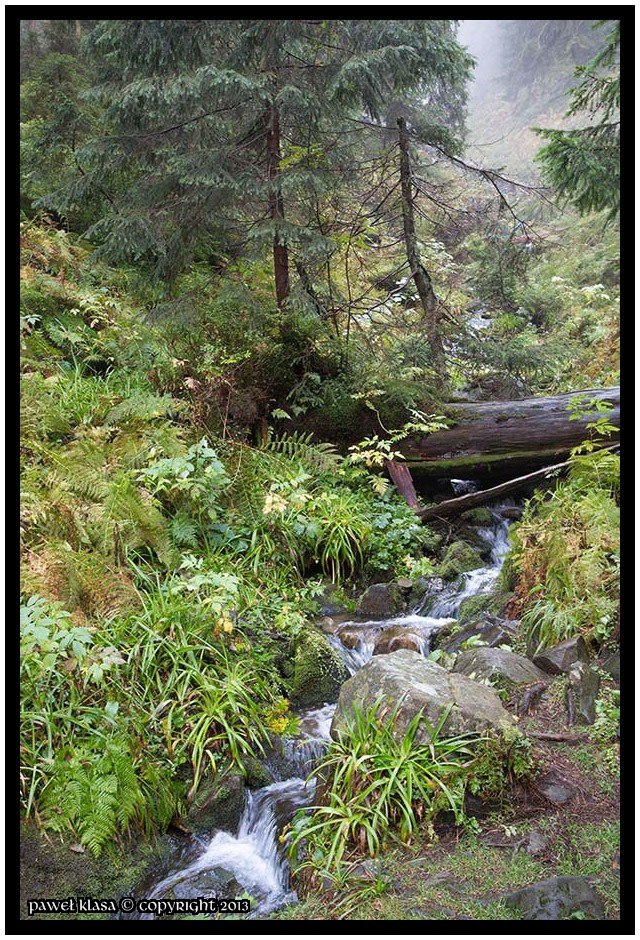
(381,600)
(219,804)
(318,671)
(492,603)
(479,516)
(256,775)
(54,870)
(459,557)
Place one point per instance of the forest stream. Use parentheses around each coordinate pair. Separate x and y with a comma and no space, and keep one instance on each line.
(251,863)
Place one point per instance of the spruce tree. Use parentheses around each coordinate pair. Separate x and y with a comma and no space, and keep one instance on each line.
(583,165)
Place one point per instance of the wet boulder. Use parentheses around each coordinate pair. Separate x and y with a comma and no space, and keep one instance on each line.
(423,590)
(558,659)
(397,638)
(416,683)
(380,601)
(351,637)
(556,899)
(318,671)
(494,602)
(494,631)
(218,804)
(459,557)
(485,662)
(479,516)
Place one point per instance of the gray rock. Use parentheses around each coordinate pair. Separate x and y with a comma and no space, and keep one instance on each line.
(494,631)
(414,683)
(380,601)
(560,658)
(582,692)
(536,843)
(423,590)
(555,788)
(487,663)
(610,662)
(556,898)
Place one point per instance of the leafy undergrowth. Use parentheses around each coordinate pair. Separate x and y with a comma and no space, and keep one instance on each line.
(167,565)
(564,563)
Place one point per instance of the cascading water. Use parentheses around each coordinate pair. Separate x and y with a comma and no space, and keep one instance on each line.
(479,580)
(253,861)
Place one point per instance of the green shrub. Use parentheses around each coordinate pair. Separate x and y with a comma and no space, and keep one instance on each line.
(565,556)
(378,784)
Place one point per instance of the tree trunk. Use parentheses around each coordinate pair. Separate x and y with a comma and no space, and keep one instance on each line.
(276,204)
(419,273)
(505,439)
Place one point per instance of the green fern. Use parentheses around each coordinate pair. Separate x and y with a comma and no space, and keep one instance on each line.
(298,446)
(183,531)
(142,408)
(99,795)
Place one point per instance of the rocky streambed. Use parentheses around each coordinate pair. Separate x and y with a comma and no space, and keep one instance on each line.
(381,649)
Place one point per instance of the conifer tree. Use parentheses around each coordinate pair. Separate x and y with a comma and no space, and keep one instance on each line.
(583,165)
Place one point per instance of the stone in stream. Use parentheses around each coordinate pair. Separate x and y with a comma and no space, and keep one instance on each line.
(491,603)
(219,804)
(397,638)
(582,692)
(407,679)
(556,899)
(424,588)
(380,601)
(459,557)
(494,631)
(318,671)
(558,659)
(351,637)
(488,663)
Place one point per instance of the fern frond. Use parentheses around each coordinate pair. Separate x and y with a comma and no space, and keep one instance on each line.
(322,457)
(142,408)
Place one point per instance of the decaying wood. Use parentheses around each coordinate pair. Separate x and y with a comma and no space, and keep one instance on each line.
(401,477)
(565,738)
(506,439)
(530,695)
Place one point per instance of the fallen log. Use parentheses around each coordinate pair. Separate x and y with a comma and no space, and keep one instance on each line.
(471,500)
(505,439)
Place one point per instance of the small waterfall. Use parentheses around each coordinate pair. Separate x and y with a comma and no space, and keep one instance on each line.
(254,857)
(479,580)
(420,627)
(253,861)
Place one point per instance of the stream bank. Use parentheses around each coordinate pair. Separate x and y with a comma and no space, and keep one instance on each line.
(247,859)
